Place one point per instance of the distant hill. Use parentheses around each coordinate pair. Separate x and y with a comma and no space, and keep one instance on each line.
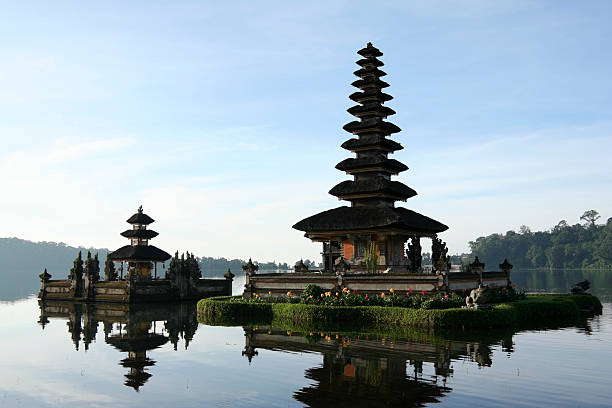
(22,261)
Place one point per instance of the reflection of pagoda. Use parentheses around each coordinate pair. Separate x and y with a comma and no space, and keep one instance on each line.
(136,341)
(131,329)
(366,371)
(139,254)
(372,222)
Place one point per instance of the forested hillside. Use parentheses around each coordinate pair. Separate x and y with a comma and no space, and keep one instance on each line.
(587,245)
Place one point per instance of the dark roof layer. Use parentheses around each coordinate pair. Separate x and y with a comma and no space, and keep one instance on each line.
(370,83)
(139,253)
(370,126)
(364,62)
(140,233)
(370,94)
(140,218)
(370,51)
(363,144)
(369,71)
(361,218)
(373,108)
(374,71)
(142,342)
(375,185)
(391,165)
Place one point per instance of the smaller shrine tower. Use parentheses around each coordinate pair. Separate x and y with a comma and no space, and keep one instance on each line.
(140,256)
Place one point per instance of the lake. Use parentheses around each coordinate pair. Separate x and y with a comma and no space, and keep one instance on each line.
(61,354)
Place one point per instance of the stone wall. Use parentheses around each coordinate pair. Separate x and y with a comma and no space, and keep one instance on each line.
(276,284)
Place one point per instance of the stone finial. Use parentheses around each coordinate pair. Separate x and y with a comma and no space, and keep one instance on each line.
(140,210)
(250,268)
(229,275)
(477,265)
(301,267)
(505,266)
(45,276)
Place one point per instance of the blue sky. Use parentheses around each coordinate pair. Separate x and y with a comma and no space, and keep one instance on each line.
(224,119)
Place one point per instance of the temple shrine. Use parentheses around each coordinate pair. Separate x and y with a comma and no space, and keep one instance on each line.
(139,255)
(140,282)
(372,233)
(373,245)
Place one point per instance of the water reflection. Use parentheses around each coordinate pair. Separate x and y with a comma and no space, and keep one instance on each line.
(131,329)
(373,370)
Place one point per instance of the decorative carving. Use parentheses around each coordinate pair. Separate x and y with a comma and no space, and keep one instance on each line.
(341,265)
(301,267)
(76,273)
(439,255)
(229,275)
(110,273)
(477,266)
(193,267)
(45,276)
(92,268)
(250,268)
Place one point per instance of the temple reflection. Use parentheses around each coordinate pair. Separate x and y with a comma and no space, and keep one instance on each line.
(374,370)
(134,329)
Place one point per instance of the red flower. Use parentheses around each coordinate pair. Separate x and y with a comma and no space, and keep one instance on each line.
(407,293)
(445,296)
(410,289)
(366,297)
(355,292)
(423,292)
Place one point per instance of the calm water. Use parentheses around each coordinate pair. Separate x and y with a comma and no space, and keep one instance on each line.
(60,354)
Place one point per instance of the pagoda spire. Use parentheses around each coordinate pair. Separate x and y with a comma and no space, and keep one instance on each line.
(371,168)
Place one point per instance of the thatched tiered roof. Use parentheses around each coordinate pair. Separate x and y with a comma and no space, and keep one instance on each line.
(371,192)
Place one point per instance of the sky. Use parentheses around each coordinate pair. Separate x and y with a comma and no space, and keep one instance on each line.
(224,119)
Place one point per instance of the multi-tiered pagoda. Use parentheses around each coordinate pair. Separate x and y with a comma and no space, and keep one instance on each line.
(139,255)
(372,223)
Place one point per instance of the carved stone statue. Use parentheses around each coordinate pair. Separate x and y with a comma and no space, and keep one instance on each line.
(250,268)
(413,253)
(341,265)
(480,296)
(110,274)
(92,268)
(580,288)
(76,273)
(439,255)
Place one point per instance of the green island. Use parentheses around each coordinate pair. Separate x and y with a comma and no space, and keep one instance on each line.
(541,310)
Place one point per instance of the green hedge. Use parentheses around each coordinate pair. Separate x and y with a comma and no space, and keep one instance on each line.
(544,310)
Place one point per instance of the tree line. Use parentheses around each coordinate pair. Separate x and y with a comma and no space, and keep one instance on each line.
(586,245)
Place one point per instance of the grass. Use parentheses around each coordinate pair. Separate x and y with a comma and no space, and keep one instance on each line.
(539,310)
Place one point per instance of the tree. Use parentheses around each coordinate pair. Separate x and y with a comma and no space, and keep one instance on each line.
(589,217)
(524,230)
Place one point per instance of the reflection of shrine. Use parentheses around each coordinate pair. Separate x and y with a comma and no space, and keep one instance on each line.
(371,370)
(132,329)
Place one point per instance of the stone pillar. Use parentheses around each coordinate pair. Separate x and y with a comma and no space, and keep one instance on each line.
(477,267)
(229,278)
(506,267)
(44,278)
(249,270)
